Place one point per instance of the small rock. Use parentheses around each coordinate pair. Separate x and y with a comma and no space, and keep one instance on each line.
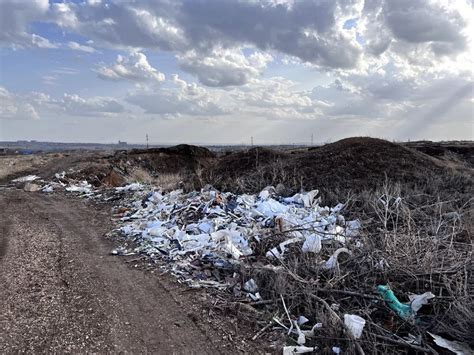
(281,190)
(30,187)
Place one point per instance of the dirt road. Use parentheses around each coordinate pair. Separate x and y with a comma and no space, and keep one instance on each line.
(61,291)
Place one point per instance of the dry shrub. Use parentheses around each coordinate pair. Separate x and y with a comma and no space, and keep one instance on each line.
(169,182)
(411,241)
(140,175)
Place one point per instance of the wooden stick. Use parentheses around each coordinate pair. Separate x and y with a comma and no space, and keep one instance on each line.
(261,331)
(403,343)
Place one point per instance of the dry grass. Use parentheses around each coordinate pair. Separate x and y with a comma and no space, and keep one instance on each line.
(11,165)
(413,242)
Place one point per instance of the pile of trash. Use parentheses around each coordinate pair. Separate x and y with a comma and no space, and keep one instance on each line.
(207,237)
(60,182)
(220,228)
(210,238)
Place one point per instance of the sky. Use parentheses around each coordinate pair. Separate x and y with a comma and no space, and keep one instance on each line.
(221,72)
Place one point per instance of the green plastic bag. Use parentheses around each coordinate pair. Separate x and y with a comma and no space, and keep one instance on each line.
(403,310)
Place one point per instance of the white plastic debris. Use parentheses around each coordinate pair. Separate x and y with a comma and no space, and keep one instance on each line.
(412,339)
(130,187)
(60,176)
(456,347)
(354,324)
(310,333)
(312,244)
(26,178)
(301,337)
(336,350)
(353,228)
(255,297)
(82,187)
(417,301)
(288,350)
(47,188)
(302,320)
(222,227)
(251,286)
(279,251)
(332,262)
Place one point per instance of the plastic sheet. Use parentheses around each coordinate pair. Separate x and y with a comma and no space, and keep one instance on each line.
(354,324)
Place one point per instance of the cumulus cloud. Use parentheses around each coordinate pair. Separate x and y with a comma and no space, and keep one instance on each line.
(15,18)
(390,60)
(80,47)
(76,105)
(135,67)
(15,107)
(420,21)
(205,34)
(418,35)
(224,67)
(29,106)
(181,99)
(310,31)
(304,29)
(276,98)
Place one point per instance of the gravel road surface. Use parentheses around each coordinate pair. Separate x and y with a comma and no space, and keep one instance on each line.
(61,291)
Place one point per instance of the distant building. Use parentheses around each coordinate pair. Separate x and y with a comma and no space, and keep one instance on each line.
(122,143)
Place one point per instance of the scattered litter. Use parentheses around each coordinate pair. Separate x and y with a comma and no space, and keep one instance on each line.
(60,176)
(404,311)
(136,186)
(455,346)
(412,339)
(310,333)
(301,337)
(26,178)
(279,251)
(417,301)
(336,350)
(312,244)
(354,324)
(288,350)
(332,262)
(82,187)
(302,320)
(121,252)
(251,286)
(47,188)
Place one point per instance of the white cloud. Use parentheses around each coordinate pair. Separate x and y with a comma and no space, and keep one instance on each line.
(79,47)
(391,61)
(276,98)
(15,18)
(417,36)
(224,67)
(29,106)
(135,67)
(182,99)
(15,107)
(93,106)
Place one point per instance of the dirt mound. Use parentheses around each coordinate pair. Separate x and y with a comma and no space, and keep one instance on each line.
(189,150)
(235,165)
(461,152)
(168,160)
(356,163)
(349,164)
(185,162)
(113,179)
